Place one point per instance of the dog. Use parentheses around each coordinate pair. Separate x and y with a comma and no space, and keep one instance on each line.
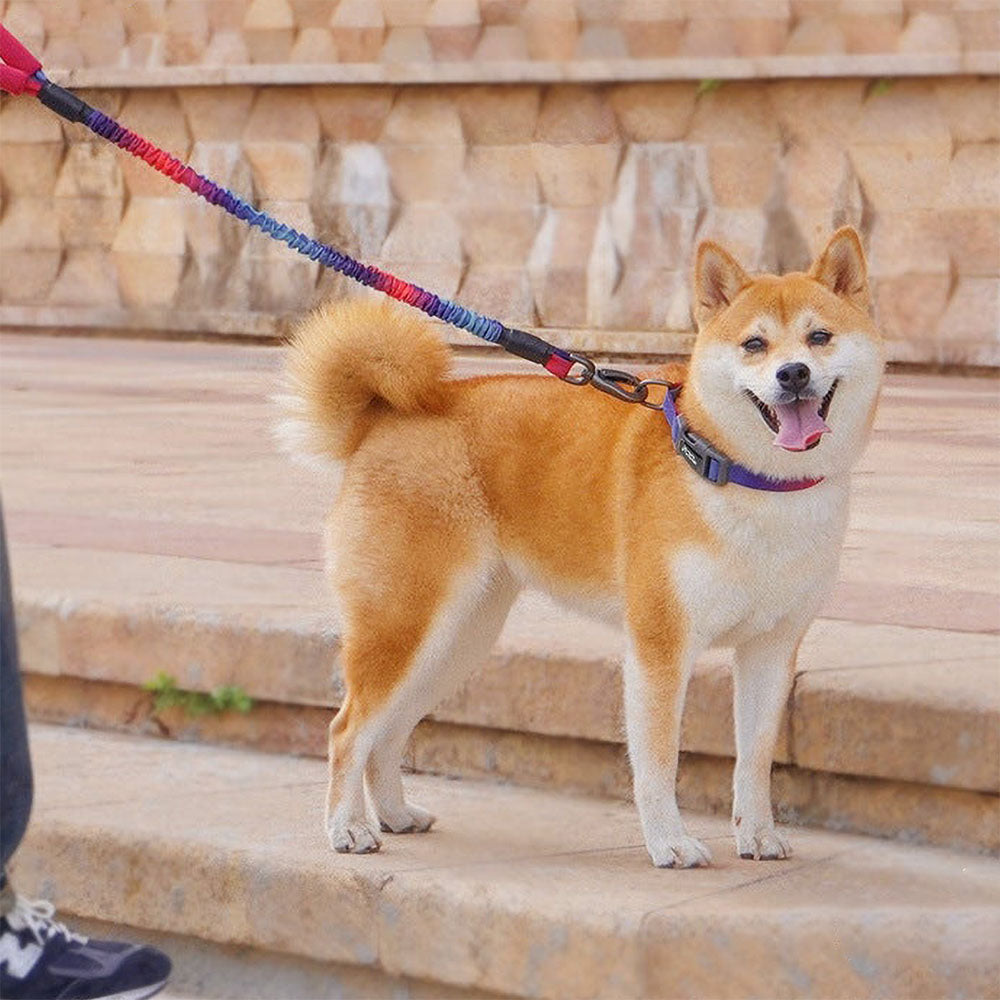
(457,493)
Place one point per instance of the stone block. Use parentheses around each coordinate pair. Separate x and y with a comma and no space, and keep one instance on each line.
(282,170)
(978,28)
(709,39)
(148,279)
(501,43)
(406,45)
(312,13)
(971,108)
(973,177)
(501,11)
(742,175)
(653,112)
(668,177)
(973,314)
(283,115)
(27,121)
(898,177)
(816,176)
(816,112)
(575,115)
(62,54)
(734,114)
(91,170)
(453,28)
(498,177)
(87,278)
(60,18)
(102,37)
(558,265)
(652,30)
(760,36)
(26,22)
(503,291)
(26,276)
(358,28)
(742,231)
(424,235)
(492,116)
(314,45)
(551,29)
(187,32)
(352,114)
(226,48)
(406,13)
(576,175)
(269,15)
(216,114)
(871,30)
(88,222)
(425,173)
(972,239)
(268,46)
(500,236)
(419,114)
(910,307)
(158,116)
(815,36)
(929,33)
(352,204)
(29,223)
(907,243)
(601,41)
(143,18)
(150,226)
(30,169)
(282,285)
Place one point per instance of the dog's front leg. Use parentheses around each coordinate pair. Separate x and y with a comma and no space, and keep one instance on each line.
(656,679)
(763,673)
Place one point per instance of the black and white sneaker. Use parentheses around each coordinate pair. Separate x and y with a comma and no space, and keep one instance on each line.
(41,959)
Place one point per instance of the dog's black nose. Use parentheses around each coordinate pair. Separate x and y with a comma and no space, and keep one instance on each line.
(794,376)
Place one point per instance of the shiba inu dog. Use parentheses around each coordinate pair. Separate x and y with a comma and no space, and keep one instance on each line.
(456,493)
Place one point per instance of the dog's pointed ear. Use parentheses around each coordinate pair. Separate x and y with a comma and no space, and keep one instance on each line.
(718,279)
(842,268)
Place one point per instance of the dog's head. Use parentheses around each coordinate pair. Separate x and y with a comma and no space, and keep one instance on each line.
(786,370)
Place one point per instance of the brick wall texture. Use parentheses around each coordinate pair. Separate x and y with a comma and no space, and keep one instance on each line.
(567,207)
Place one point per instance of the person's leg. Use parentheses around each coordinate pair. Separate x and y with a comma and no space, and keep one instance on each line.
(43,959)
(15,762)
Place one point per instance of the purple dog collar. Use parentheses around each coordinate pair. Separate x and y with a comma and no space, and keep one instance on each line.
(712,464)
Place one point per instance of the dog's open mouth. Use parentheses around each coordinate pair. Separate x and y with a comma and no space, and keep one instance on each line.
(798,425)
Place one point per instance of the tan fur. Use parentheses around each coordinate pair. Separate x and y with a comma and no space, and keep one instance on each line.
(456,493)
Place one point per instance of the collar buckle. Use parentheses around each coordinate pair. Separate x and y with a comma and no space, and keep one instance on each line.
(706,460)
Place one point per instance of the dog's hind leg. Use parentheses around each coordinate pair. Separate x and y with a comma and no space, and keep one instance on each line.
(455,646)
(405,649)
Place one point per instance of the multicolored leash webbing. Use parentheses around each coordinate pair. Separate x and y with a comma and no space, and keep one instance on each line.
(23,74)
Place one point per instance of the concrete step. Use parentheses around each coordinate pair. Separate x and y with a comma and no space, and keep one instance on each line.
(890,730)
(517,891)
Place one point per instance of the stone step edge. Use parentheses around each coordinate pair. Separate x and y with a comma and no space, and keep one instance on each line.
(566,696)
(904,811)
(179,881)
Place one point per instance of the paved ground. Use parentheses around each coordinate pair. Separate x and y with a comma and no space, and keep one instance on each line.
(145,471)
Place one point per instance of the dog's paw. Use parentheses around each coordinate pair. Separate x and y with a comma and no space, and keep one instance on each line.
(762,844)
(679,852)
(411,819)
(352,837)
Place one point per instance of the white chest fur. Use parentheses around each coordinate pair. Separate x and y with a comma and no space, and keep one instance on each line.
(776,560)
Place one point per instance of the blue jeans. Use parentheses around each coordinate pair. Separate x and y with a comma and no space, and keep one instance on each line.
(15,762)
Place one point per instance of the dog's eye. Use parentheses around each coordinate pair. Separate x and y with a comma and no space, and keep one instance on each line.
(754,345)
(819,337)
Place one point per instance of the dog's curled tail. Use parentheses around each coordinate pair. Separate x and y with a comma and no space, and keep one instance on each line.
(350,363)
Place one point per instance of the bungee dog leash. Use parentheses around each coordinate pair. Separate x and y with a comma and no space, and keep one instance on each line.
(21,73)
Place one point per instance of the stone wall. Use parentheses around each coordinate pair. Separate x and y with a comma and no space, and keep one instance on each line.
(569,201)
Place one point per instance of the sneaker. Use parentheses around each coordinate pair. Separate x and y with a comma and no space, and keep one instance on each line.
(41,959)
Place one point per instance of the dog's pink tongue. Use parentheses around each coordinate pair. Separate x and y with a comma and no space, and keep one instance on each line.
(799,424)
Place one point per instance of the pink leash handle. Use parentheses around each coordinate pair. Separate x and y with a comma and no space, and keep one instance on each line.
(17,76)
